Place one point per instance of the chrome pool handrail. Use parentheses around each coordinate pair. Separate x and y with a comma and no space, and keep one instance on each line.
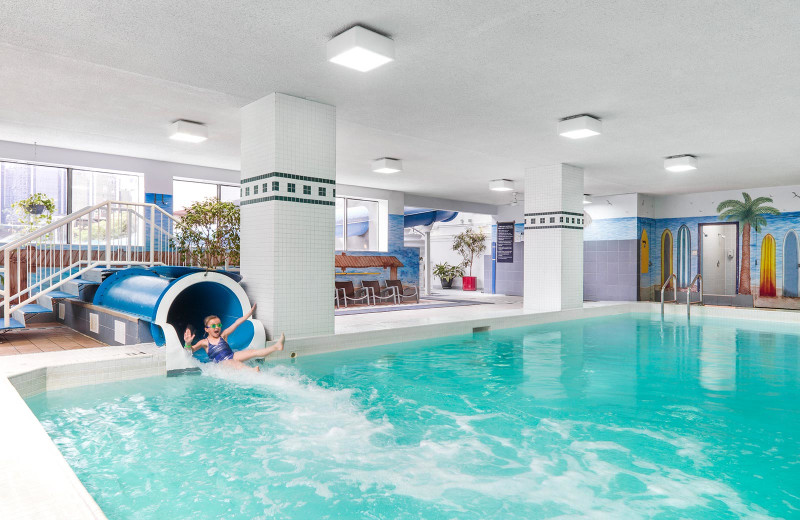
(664,287)
(697,277)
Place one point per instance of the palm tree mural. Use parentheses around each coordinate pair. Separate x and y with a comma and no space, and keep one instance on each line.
(749,213)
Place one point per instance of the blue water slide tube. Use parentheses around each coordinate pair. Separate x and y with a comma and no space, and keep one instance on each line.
(357,222)
(426,217)
(169,298)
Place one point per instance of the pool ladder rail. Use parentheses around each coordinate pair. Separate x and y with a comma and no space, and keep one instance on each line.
(697,278)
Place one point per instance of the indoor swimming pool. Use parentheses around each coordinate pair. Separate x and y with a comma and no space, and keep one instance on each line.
(616,417)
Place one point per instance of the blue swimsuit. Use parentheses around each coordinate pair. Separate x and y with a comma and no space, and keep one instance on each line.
(219,352)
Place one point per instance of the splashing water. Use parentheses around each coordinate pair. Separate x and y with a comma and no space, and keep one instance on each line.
(619,417)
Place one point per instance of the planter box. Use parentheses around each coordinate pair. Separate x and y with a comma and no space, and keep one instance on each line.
(469,283)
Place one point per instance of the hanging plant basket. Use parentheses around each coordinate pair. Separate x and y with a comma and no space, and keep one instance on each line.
(35,209)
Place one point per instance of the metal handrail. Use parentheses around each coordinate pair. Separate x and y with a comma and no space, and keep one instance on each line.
(664,287)
(697,277)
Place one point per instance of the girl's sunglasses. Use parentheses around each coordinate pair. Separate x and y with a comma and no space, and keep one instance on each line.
(215,326)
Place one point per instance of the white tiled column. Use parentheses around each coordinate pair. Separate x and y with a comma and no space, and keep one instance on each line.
(288,200)
(553,238)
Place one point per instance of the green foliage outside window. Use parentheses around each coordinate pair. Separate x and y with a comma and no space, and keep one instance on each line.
(208,235)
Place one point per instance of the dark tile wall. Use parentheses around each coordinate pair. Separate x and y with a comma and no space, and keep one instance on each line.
(610,270)
(76,317)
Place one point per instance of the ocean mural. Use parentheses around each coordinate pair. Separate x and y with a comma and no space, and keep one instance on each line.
(767,256)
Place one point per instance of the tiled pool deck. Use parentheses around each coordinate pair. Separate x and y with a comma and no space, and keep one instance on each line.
(36,481)
(44,337)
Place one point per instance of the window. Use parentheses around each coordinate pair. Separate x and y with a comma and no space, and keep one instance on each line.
(322,192)
(552,220)
(276,186)
(306,190)
(247,192)
(265,187)
(255,189)
(357,227)
(19,181)
(186,192)
(290,187)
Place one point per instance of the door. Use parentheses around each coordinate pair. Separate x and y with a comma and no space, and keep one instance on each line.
(766,286)
(718,245)
(790,265)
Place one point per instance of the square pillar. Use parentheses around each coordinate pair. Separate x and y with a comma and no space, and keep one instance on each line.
(553,238)
(287,210)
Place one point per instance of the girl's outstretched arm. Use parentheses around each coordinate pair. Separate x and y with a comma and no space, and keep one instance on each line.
(227,332)
(188,337)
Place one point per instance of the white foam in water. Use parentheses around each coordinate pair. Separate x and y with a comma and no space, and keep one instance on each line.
(328,439)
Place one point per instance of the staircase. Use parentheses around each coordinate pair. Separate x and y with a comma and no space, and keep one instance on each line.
(70,257)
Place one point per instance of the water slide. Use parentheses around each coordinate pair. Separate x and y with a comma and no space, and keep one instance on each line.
(169,298)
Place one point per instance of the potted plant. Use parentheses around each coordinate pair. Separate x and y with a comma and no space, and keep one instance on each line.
(469,244)
(208,234)
(446,273)
(35,211)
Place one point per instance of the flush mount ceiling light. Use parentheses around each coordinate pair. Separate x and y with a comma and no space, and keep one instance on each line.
(580,126)
(188,131)
(587,199)
(680,163)
(361,49)
(501,185)
(387,165)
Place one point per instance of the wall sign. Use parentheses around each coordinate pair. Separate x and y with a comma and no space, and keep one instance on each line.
(505,242)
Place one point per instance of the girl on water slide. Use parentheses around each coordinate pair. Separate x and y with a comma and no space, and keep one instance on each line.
(217,347)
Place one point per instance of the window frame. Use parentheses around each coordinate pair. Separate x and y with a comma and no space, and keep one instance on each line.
(344,249)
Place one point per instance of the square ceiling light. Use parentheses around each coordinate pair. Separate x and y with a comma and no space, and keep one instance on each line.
(188,131)
(580,126)
(501,185)
(680,163)
(361,49)
(387,165)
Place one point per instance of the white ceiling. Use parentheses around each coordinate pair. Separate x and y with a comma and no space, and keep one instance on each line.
(474,94)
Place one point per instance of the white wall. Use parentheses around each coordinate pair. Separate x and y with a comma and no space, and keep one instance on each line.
(157,174)
(612,206)
(705,204)
(442,244)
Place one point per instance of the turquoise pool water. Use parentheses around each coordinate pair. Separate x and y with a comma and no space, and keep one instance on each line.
(621,417)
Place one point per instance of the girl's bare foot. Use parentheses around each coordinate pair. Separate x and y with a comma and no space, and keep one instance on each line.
(279,344)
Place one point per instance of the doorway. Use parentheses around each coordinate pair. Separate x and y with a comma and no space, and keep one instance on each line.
(719,245)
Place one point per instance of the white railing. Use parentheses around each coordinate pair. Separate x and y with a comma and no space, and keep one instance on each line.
(109,234)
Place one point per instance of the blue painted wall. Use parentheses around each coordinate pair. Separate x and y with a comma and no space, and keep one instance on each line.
(409,256)
(611,229)
(163,201)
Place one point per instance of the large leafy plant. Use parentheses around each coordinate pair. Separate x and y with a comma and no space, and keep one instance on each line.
(447,272)
(749,213)
(469,244)
(208,235)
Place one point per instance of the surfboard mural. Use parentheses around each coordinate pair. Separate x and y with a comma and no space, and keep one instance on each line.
(791,265)
(644,253)
(683,267)
(766,286)
(666,255)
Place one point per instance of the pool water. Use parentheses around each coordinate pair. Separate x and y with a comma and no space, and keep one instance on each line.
(623,417)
